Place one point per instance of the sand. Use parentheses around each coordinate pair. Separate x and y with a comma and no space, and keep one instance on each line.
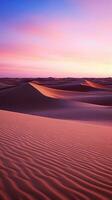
(43,158)
(55,144)
(97,85)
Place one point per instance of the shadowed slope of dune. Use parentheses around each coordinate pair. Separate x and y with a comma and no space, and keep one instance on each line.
(51,92)
(44,159)
(76,108)
(4,86)
(26,98)
(69,86)
(78,88)
(80,112)
(43,101)
(100,98)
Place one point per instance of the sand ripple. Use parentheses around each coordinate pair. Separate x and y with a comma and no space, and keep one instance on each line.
(46,159)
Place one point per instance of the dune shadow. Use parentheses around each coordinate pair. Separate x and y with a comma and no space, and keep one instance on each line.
(28,100)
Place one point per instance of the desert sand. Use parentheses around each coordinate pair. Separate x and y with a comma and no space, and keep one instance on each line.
(56,143)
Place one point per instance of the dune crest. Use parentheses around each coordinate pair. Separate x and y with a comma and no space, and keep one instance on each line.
(96,85)
(25,98)
(51,92)
(43,101)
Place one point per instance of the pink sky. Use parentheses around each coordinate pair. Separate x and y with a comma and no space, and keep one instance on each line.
(65,45)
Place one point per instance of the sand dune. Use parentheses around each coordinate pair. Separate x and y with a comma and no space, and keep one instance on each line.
(100,98)
(96,85)
(46,159)
(51,92)
(48,102)
(69,86)
(26,98)
(5,86)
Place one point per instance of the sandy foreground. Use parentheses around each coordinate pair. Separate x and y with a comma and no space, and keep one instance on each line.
(55,144)
(43,158)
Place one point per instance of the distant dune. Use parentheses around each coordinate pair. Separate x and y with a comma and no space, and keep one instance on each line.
(102,99)
(40,100)
(96,85)
(5,86)
(69,86)
(98,98)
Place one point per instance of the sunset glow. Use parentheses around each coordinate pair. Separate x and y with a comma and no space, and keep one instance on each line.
(55,38)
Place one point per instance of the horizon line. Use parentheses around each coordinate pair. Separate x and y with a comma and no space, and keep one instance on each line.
(55,77)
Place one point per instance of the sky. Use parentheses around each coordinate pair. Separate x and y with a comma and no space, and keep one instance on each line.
(58,38)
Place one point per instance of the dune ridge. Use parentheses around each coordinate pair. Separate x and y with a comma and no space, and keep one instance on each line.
(51,92)
(35,99)
(25,98)
(63,161)
(96,85)
(99,98)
